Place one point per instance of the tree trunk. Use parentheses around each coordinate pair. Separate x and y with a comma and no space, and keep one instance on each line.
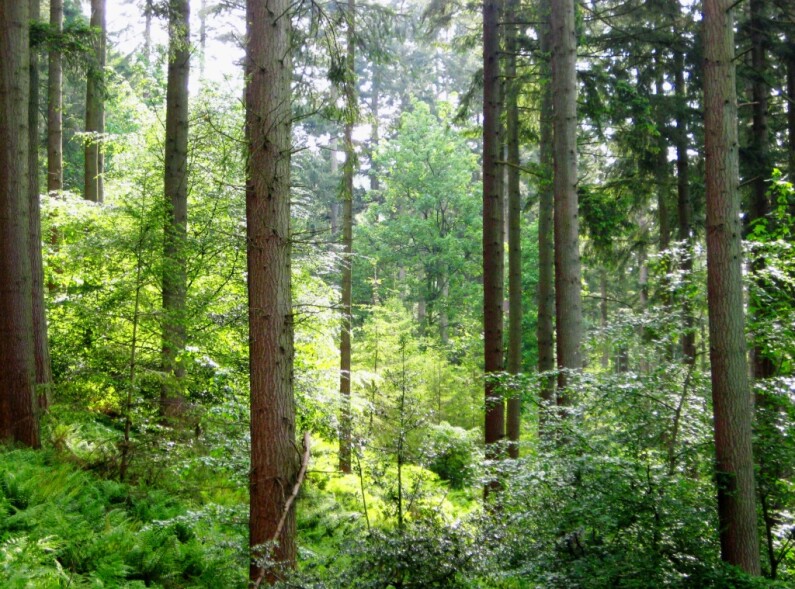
(18,414)
(545,331)
(513,424)
(346,426)
(274,460)
(492,233)
(684,206)
(176,209)
(374,107)
(731,396)
(791,110)
(41,347)
(567,250)
(604,318)
(202,38)
(55,105)
(95,108)
(761,167)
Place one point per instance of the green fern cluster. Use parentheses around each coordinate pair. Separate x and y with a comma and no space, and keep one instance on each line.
(63,527)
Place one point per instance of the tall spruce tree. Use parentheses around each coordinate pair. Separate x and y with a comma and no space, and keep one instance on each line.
(731,395)
(176,207)
(274,461)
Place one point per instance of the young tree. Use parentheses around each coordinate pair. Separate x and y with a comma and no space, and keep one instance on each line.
(55,104)
(347,246)
(176,206)
(493,252)
(567,250)
(274,461)
(18,414)
(731,396)
(95,108)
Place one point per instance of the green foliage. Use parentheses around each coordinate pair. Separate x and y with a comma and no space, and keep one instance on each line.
(452,453)
(62,527)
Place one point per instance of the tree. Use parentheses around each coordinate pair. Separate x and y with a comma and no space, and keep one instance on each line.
(18,414)
(513,424)
(176,206)
(492,232)
(545,332)
(347,245)
(268,122)
(731,396)
(55,104)
(95,108)
(41,348)
(567,251)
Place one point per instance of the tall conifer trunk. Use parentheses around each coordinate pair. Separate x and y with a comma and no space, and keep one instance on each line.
(759,153)
(346,426)
(567,250)
(18,412)
(493,250)
(95,108)
(545,331)
(684,205)
(55,105)
(41,347)
(176,208)
(274,459)
(513,424)
(731,396)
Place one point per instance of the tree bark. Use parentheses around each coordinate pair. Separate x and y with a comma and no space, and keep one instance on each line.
(545,331)
(513,424)
(274,459)
(759,155)
(567,250)
(95,108)
(731,396)
(684,205)
(18,414)
(346,427)
(176,209)
(791,109)
(55,105)
(493,249)
(41,347)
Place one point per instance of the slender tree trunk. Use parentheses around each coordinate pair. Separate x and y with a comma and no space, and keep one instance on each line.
(148,15)
(41,347)
(444,318)
(567,249)
(684,205)
(604,318)
(176,209)
(545,331)
(759,154)
(95,108)
(731,396)
(661,171)
(346,427)
(791,109)
(274,459)
(55,105)
(202,38)
(18,413)
(493,249)
(513,425)
(374,108)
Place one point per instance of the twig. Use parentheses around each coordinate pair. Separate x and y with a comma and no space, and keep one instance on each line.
(289,503)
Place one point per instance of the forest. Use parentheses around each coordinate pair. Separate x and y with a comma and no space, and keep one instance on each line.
(390,294)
